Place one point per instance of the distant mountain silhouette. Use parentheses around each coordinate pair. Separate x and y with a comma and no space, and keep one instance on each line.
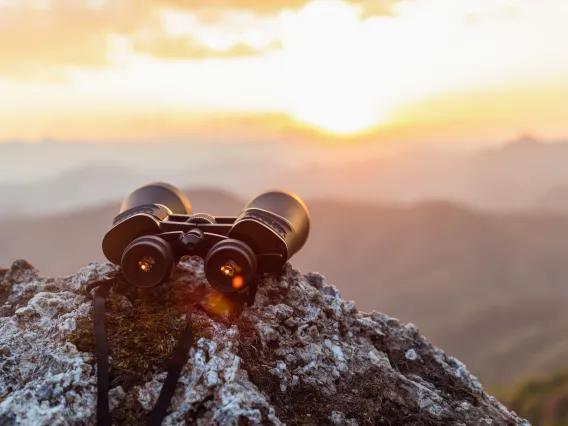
(526,148)
(554,200)
(78,187)
(519,175)
(489,288)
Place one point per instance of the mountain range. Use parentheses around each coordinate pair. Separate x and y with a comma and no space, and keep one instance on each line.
(490,288)
(525,174)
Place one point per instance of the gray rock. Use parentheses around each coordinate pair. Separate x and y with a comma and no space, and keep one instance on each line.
(300,355)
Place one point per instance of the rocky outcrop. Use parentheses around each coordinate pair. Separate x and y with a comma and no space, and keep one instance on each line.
(300,355)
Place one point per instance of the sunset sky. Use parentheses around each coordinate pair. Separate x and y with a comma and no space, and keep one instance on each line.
(410,69)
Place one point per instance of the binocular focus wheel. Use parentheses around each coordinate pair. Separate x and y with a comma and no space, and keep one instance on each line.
(147,261)
(229,265)
(202,218)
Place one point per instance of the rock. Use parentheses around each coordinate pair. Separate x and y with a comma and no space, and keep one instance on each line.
(300,355)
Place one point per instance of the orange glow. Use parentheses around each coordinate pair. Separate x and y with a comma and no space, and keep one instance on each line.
(329,69)
(238,282)
(217,304)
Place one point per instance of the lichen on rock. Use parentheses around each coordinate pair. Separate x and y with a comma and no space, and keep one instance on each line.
(300,355)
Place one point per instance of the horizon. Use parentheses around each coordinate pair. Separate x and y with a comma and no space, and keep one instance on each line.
(335,72)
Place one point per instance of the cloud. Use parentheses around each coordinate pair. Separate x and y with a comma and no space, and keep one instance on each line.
(257,6)
(48,40)
(186,48)
(40,39)
(214,8)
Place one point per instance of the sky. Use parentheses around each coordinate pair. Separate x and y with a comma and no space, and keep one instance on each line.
(323,69)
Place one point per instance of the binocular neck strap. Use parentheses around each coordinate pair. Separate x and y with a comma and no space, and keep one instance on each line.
(179,358)
(101,353)
(175,366)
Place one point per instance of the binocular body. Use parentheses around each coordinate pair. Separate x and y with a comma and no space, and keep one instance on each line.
(156,227)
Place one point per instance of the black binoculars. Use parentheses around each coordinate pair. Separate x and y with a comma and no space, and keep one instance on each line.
(156,227)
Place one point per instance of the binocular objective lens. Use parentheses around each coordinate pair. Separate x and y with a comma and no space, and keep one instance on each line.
(273,222)
(158,193)
(229,265)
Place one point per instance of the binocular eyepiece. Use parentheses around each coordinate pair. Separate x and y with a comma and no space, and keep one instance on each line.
(156,227)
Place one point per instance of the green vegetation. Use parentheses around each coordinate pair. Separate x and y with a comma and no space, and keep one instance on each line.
(141,338)
(541,400)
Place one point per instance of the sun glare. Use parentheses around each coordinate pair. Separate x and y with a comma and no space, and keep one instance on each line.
(339,121)
(328,65)
(333,113)
(330,92)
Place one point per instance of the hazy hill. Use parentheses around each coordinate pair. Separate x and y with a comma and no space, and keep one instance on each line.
(556,199)
(75,188)
(28,162)
(98,183)
(525,174)
(517,174)
(490,289)
(542,400)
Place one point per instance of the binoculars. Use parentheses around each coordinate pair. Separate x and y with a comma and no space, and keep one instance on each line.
(156,227)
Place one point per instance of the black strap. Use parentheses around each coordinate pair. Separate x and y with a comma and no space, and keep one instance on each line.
(252,289)
(176,363)
(101,352)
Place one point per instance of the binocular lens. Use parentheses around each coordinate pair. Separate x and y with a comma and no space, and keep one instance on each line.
(158,193)
(147,261)
(229,265)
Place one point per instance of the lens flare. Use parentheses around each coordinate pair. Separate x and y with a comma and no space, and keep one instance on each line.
(228,270)
(238,282)
(146,263)
(217,304)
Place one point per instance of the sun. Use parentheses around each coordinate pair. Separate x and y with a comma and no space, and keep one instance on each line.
(331,98)
(327,87)
(338,118)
